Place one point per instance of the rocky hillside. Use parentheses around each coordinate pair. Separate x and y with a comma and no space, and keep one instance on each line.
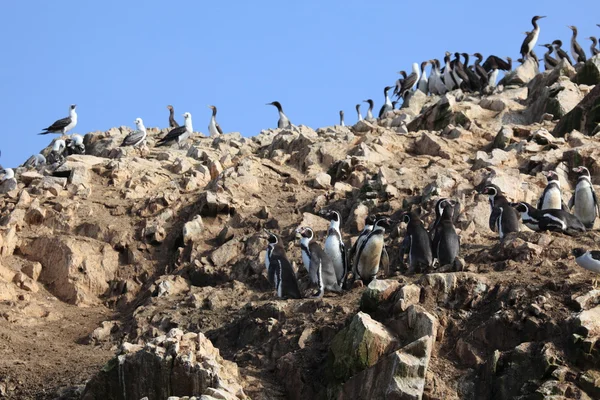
(130,274)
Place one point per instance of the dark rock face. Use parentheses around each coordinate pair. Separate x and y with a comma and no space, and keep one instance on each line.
(585,117)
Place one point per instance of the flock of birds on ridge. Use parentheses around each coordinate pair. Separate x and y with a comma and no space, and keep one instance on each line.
(328,267)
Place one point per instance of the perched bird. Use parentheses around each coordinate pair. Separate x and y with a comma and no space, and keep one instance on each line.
(446,242)
(551,197)
(172,122)
(422,85)
(359,115)
(460,74)
(279,269)
(480,71)
(319,266)
(532,38)
(137,137)
(35,161)
(74,145)
(416,243)
(283,122)
(335,248)
(370,110)
(369,223)
(474,81)
(369,253)
(387,105)
(436,83)
(440,204)
(549,61)
(63,125)
(584,202)
(56,154)
(555,220)
(588,259)
(399,83)
(410,81)
(9,173)
(213,127)
(493,65)
(449,81)
(504,219)
(576,50)
(178,134)
(593,50)
(342,123)
(560,52)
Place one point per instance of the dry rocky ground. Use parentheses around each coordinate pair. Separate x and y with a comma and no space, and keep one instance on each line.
(127,274)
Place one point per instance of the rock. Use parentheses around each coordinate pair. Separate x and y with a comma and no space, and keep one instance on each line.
(376,293)
(431,145)
(8,241)
(588,300)
(492,104)
(590,382)
(322,181)
(407,295)
(359,346)
(446,286)
(191,365)
(503,138)
(587,322)
(522,74)
(192,230)
(76,270)
(590,73)
(584,117)
(400,375)
(211,204)
(32,270)
(440,115)
(356,221)
(225,253)
(8,185)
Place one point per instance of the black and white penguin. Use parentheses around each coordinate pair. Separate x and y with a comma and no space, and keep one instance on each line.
(279,269)
(335,248)
(584,202)
(317,263)
(416,243)
(551,197)
(369,252)
(503,218)
(439,210)
(446,242)
(588,259)
(549,220)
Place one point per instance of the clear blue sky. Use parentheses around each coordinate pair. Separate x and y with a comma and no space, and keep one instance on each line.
(119,60)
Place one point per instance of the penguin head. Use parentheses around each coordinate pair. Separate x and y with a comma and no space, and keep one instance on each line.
(272,238)
(304,232)
(521,207)
(578,252)
(332,215)
(582,171)
(407,217)
(384,222)
(491,190)
(370,220)
(550,175)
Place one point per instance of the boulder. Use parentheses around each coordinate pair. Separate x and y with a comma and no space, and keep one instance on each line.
(589,74)
(376,293)
(432,145)
(322,181)
(584,117)
(192,230)
(522,74)
(503,138)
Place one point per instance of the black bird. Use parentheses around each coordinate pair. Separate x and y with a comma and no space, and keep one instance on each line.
(446,242)
(459,68)
(370,110)
(178,134)
(172,122)
(560,52)
(387,105)
(593,48)
(409,81)
(480,71)
(475,82)
(549,61)
(531,38)
(63,125)
(549,220)
(283,122)
(493,62)
(576,50)
(279,269)
(416,243)
(399,82)
(503,217)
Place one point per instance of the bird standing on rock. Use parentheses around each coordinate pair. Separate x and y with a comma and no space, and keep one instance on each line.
(576,50)
(284,121)
(549,61)
(551,197)
(369,253)
(532,38)
(319,266)
(504,219)
(446,242)
(588,259)
(417,244)
(137,137)
(214,129)
(63,125)
(553,219)
(335,247)
(561,54)
(584,202)
(172,122)
(178,134)
(279,269)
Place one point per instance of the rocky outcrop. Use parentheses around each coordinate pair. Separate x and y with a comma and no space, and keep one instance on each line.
(584,118)
(589,74)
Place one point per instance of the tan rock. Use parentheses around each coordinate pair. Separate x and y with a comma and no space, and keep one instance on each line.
(322,181)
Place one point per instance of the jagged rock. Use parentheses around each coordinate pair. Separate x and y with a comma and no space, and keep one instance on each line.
(376,293)
(211,204)
(8,241)
(421,323)
(322,181)
(588,322)
(400,375)
(8,186)
(431,145)
(76,270)
(363,126)
(492,104)
(588,300)
(359,346)
(589,74)
(590,382)
(227,252)
(192,230)
(168,366)
(503,138)
(24,282)
(522,74)
(584,117)
(445,287)
(358,215)
(407,295)
(438,116)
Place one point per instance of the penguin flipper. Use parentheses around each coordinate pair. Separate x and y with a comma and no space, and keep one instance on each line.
(564,206)
(571,202)
(384,262)
(597,206)
(344,262)
(496,212)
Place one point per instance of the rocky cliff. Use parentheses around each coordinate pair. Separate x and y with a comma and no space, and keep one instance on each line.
(129,274)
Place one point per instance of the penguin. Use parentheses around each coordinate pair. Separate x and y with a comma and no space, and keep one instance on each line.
(369,253)
(446,242)
(551,197)
(584,202)
(335,248)
(416,243)
(549,220)
(317,263)
(279,269)
(588,259)
(504,219)
(439,210)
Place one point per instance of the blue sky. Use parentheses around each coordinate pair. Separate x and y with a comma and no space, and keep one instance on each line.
(119,60)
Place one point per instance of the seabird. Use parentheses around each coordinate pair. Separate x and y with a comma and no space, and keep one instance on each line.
(64,125)
(172,122)
(360,117)
(423,83)
(493,65)
(399,83)
(370,110)
(532,38)
(387,105)
(35,161)
(214,129)
(342,118)
(449,81)
(436,83)
(474,81)
(9,173)
(178,134)
(480,71)
(394,104)
(576,50)
(560,52)
(410,81)
(284,121)
(56,154)
(588,259)
(137,137)
(593,48)
(460,76)
(549,61)
(74,145)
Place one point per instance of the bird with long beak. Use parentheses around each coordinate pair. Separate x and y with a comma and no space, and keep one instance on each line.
(214,129)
